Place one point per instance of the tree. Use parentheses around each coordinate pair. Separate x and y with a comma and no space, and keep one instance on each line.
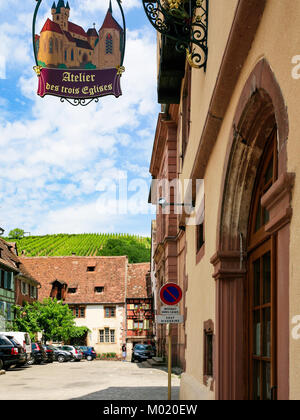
(136,251)
(54,319)
(16,234)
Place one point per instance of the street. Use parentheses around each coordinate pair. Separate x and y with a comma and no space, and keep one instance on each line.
(98,380)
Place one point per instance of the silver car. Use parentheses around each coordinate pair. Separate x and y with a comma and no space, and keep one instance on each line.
(75,354)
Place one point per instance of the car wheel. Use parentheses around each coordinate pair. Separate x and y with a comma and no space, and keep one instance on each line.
(30,361)
(61,359)
(89,358)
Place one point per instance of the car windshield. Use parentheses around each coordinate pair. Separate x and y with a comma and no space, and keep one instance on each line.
(4,341)
(143,347)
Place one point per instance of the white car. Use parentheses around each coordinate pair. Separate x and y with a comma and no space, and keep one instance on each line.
(23,338)
(76,354)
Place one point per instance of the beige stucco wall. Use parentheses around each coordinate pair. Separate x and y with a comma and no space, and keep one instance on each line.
(278,47)
(95,321)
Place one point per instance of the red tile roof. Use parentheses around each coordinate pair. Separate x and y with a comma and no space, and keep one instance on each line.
(110,23)
(109,273)
(52,27)
(10,260)
(76,29)
(137,286)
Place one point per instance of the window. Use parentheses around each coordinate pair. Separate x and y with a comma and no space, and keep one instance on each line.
(106,333)
(72,55)
(91,269)
(51,46)
(109,44)
(78,311)
(99,289)
(138,325)
(66,55)
(110,312)
(262,284)
(208,350)
(9,312)
(107,336)
(72,290)
(6,280)
(33,292)
(24,288)
(200,236)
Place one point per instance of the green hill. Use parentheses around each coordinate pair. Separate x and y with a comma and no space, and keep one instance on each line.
(136,248)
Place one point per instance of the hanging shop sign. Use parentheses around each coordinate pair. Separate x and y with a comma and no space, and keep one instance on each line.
(78,65)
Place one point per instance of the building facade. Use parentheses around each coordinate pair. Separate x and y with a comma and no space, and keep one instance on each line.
(16,284)
(64,44)
(235,126)
(139,307)
(96,290)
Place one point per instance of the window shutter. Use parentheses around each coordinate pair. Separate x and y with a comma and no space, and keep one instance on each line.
(130,324)
(12,285)
(5,279)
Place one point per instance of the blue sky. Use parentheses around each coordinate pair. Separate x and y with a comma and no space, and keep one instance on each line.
(61,167)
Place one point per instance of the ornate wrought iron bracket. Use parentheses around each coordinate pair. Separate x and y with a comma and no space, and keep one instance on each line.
(184,21)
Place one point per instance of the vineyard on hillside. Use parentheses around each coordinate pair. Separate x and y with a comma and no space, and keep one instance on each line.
(136,248)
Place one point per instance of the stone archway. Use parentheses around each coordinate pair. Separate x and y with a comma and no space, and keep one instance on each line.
(260,108)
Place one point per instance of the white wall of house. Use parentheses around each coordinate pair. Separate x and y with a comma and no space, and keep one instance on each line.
(95,320)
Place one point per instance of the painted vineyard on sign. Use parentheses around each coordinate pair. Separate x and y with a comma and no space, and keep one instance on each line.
(75,63)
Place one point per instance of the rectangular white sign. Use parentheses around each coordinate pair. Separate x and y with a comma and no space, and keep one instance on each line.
(169,319)
(169,310)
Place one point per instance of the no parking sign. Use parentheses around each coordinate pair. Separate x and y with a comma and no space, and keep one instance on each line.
(170,294)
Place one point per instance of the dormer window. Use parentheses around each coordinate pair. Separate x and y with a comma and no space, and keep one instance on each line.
(99,289)
(72,290)
(91,269)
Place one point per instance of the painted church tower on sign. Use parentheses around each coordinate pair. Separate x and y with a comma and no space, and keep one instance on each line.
(64,44)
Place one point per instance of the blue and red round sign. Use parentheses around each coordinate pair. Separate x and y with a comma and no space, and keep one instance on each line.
(170,294)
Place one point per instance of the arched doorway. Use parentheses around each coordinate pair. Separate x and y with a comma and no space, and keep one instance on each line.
(262,285)
(261,119)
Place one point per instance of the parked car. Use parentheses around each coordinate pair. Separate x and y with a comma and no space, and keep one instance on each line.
(22,353)
(88,353)
(9,353)
(76,354)
(60,356)
(38,354)
(49,354)
(142,352)
(23,338)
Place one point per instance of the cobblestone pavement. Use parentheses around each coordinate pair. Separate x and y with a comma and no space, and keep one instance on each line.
(98,380)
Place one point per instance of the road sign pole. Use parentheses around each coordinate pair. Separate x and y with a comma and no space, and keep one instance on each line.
(170,366)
